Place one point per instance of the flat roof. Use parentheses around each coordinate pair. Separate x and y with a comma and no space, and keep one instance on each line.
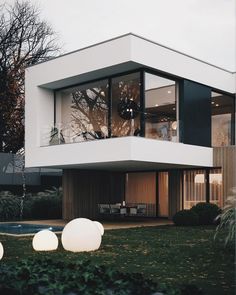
(125,53)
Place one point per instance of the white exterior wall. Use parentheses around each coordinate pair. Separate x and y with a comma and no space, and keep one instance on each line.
(114,56)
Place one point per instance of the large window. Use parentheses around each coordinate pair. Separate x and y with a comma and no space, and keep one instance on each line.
(160,108)
(202,186)
(215,183)
(126,105)
(223,119)
(115,107)
(82,112)
(194,187)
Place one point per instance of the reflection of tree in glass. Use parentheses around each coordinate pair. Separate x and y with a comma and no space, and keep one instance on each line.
(122,93)
(89,111)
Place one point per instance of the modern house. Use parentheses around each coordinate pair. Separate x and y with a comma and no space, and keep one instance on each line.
(131,120)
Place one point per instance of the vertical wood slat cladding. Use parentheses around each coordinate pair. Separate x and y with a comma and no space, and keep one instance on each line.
(225,157)
(141,188)
(84,190)
(175,192)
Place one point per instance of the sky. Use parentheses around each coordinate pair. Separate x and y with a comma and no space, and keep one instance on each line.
(205,29)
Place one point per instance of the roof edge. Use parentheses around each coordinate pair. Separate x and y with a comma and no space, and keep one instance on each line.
(140,37)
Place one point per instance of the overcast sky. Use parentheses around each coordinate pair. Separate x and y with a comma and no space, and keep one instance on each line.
(202,28)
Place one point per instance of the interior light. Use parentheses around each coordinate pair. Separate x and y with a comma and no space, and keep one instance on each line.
(212,102)
(217,105)
(173,109)
(156,105)
(169,91)
(174,125)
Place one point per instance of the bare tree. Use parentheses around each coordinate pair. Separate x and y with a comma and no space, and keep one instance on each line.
(24,40)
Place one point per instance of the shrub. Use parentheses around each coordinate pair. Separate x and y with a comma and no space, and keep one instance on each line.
(207,212)
(227,219)
(9,206)
(185,217)
(47,204)
(46,276)
(56,277)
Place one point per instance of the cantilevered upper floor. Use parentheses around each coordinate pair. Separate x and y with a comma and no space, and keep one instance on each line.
(127,103)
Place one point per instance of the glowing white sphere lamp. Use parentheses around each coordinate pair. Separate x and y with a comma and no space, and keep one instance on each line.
(45,240)
(1,251)
(100,227)
(81,234)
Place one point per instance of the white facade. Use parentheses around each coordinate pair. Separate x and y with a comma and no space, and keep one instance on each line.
(114,56)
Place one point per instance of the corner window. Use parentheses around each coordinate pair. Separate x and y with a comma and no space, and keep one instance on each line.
(222,119)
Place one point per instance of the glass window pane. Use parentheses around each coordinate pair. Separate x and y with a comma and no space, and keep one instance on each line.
(194,188)
(126,105)
(222,119)
(216,193)
(160,108)
(82,112)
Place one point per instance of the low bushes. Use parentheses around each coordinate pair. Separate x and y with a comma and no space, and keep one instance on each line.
(9,206)
(47,276)
(207,212)
(200,214)
(43,205)
(186,217)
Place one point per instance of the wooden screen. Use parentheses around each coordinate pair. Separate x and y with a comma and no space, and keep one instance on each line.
(141,188)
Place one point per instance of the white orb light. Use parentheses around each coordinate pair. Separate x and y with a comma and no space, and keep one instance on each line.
(81,234)
(100,227)
(1,251)
(45,240)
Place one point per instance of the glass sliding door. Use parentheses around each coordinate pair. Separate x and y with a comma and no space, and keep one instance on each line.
(194,187)
(215,183)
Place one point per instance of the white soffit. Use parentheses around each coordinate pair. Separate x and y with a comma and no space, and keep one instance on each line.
(117,152)
(124,53)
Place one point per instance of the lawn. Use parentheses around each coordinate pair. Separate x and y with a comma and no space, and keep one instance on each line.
(168,254)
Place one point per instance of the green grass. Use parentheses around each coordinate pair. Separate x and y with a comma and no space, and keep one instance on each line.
(168,254)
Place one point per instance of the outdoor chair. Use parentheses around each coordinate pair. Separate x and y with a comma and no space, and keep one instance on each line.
(104,208)
(117,209)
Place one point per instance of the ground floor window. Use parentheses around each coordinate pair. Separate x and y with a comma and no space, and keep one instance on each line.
(194,187)
(215,183)
(202,186)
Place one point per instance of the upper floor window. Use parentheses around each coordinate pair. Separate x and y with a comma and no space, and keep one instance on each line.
(160,108)
(82,112)
(222,119)
(126,105)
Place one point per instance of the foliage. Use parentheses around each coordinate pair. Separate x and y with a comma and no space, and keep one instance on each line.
(169,255)
(207,212)
(46,276)
(9,206)
(186,217)
(47,204)
(24,41)
(43,205)
(228,219)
